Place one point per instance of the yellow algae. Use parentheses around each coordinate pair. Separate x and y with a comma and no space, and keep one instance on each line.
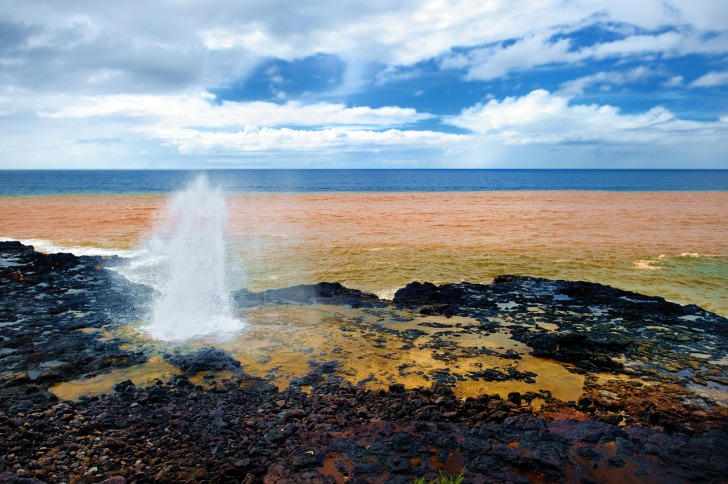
(282,341)
(141,375)
(374,347)
(606,379)
(554,377)
(702,356)
(537,403)
(548,326)
(102,334)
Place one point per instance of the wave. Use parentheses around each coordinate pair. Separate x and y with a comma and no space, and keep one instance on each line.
(387,294)
(51,247)
(649,264)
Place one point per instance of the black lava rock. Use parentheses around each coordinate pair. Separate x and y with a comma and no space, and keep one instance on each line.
(205,359)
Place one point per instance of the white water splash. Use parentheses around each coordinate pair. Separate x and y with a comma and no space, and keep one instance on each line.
(50,247)
(186,262)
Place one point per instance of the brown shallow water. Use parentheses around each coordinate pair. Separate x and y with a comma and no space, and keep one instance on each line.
(673,244)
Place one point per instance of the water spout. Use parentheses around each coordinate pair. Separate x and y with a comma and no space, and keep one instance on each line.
(188,253)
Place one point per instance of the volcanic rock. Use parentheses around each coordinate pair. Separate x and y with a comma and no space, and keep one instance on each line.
(322,293)
(640,416)
(204,359)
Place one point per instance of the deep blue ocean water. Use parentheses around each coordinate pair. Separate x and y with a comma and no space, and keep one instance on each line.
(44,182)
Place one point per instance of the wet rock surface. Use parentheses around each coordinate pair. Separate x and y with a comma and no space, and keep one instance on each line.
(644,412)
(321,293)
(51,308)
(591,326)
(204,359)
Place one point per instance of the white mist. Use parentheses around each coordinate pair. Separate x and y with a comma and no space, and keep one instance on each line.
(188,247)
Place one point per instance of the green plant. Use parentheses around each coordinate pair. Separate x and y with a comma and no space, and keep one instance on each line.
(442,479)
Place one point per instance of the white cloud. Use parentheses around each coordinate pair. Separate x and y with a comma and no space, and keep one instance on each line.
(254,139)
(201,110)
(497,61)
(674,81)
(194,124)
(668,42)
(703,14)
(142,46)
(495,115)
(544,118)
(711,79)
(539,50)
(579,85)
(140,72)
(394,33)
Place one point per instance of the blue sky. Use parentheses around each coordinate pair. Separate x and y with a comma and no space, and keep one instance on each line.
(425,84)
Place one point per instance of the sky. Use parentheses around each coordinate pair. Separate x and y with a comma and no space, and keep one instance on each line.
(364,84)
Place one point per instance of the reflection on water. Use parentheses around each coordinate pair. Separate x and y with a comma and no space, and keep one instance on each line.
(141,375)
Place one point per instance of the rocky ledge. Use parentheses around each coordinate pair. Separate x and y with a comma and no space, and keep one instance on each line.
(652,407)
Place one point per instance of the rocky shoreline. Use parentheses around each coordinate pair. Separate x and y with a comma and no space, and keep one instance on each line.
(652,407)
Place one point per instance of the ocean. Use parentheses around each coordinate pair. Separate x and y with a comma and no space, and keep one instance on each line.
(55,182)
(658,232)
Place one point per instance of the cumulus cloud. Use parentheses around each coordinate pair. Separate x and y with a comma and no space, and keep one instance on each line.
(544,118)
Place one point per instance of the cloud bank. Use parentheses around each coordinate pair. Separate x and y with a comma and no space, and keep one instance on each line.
(438,83)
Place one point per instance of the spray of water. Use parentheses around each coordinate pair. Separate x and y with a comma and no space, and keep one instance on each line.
(186,262)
